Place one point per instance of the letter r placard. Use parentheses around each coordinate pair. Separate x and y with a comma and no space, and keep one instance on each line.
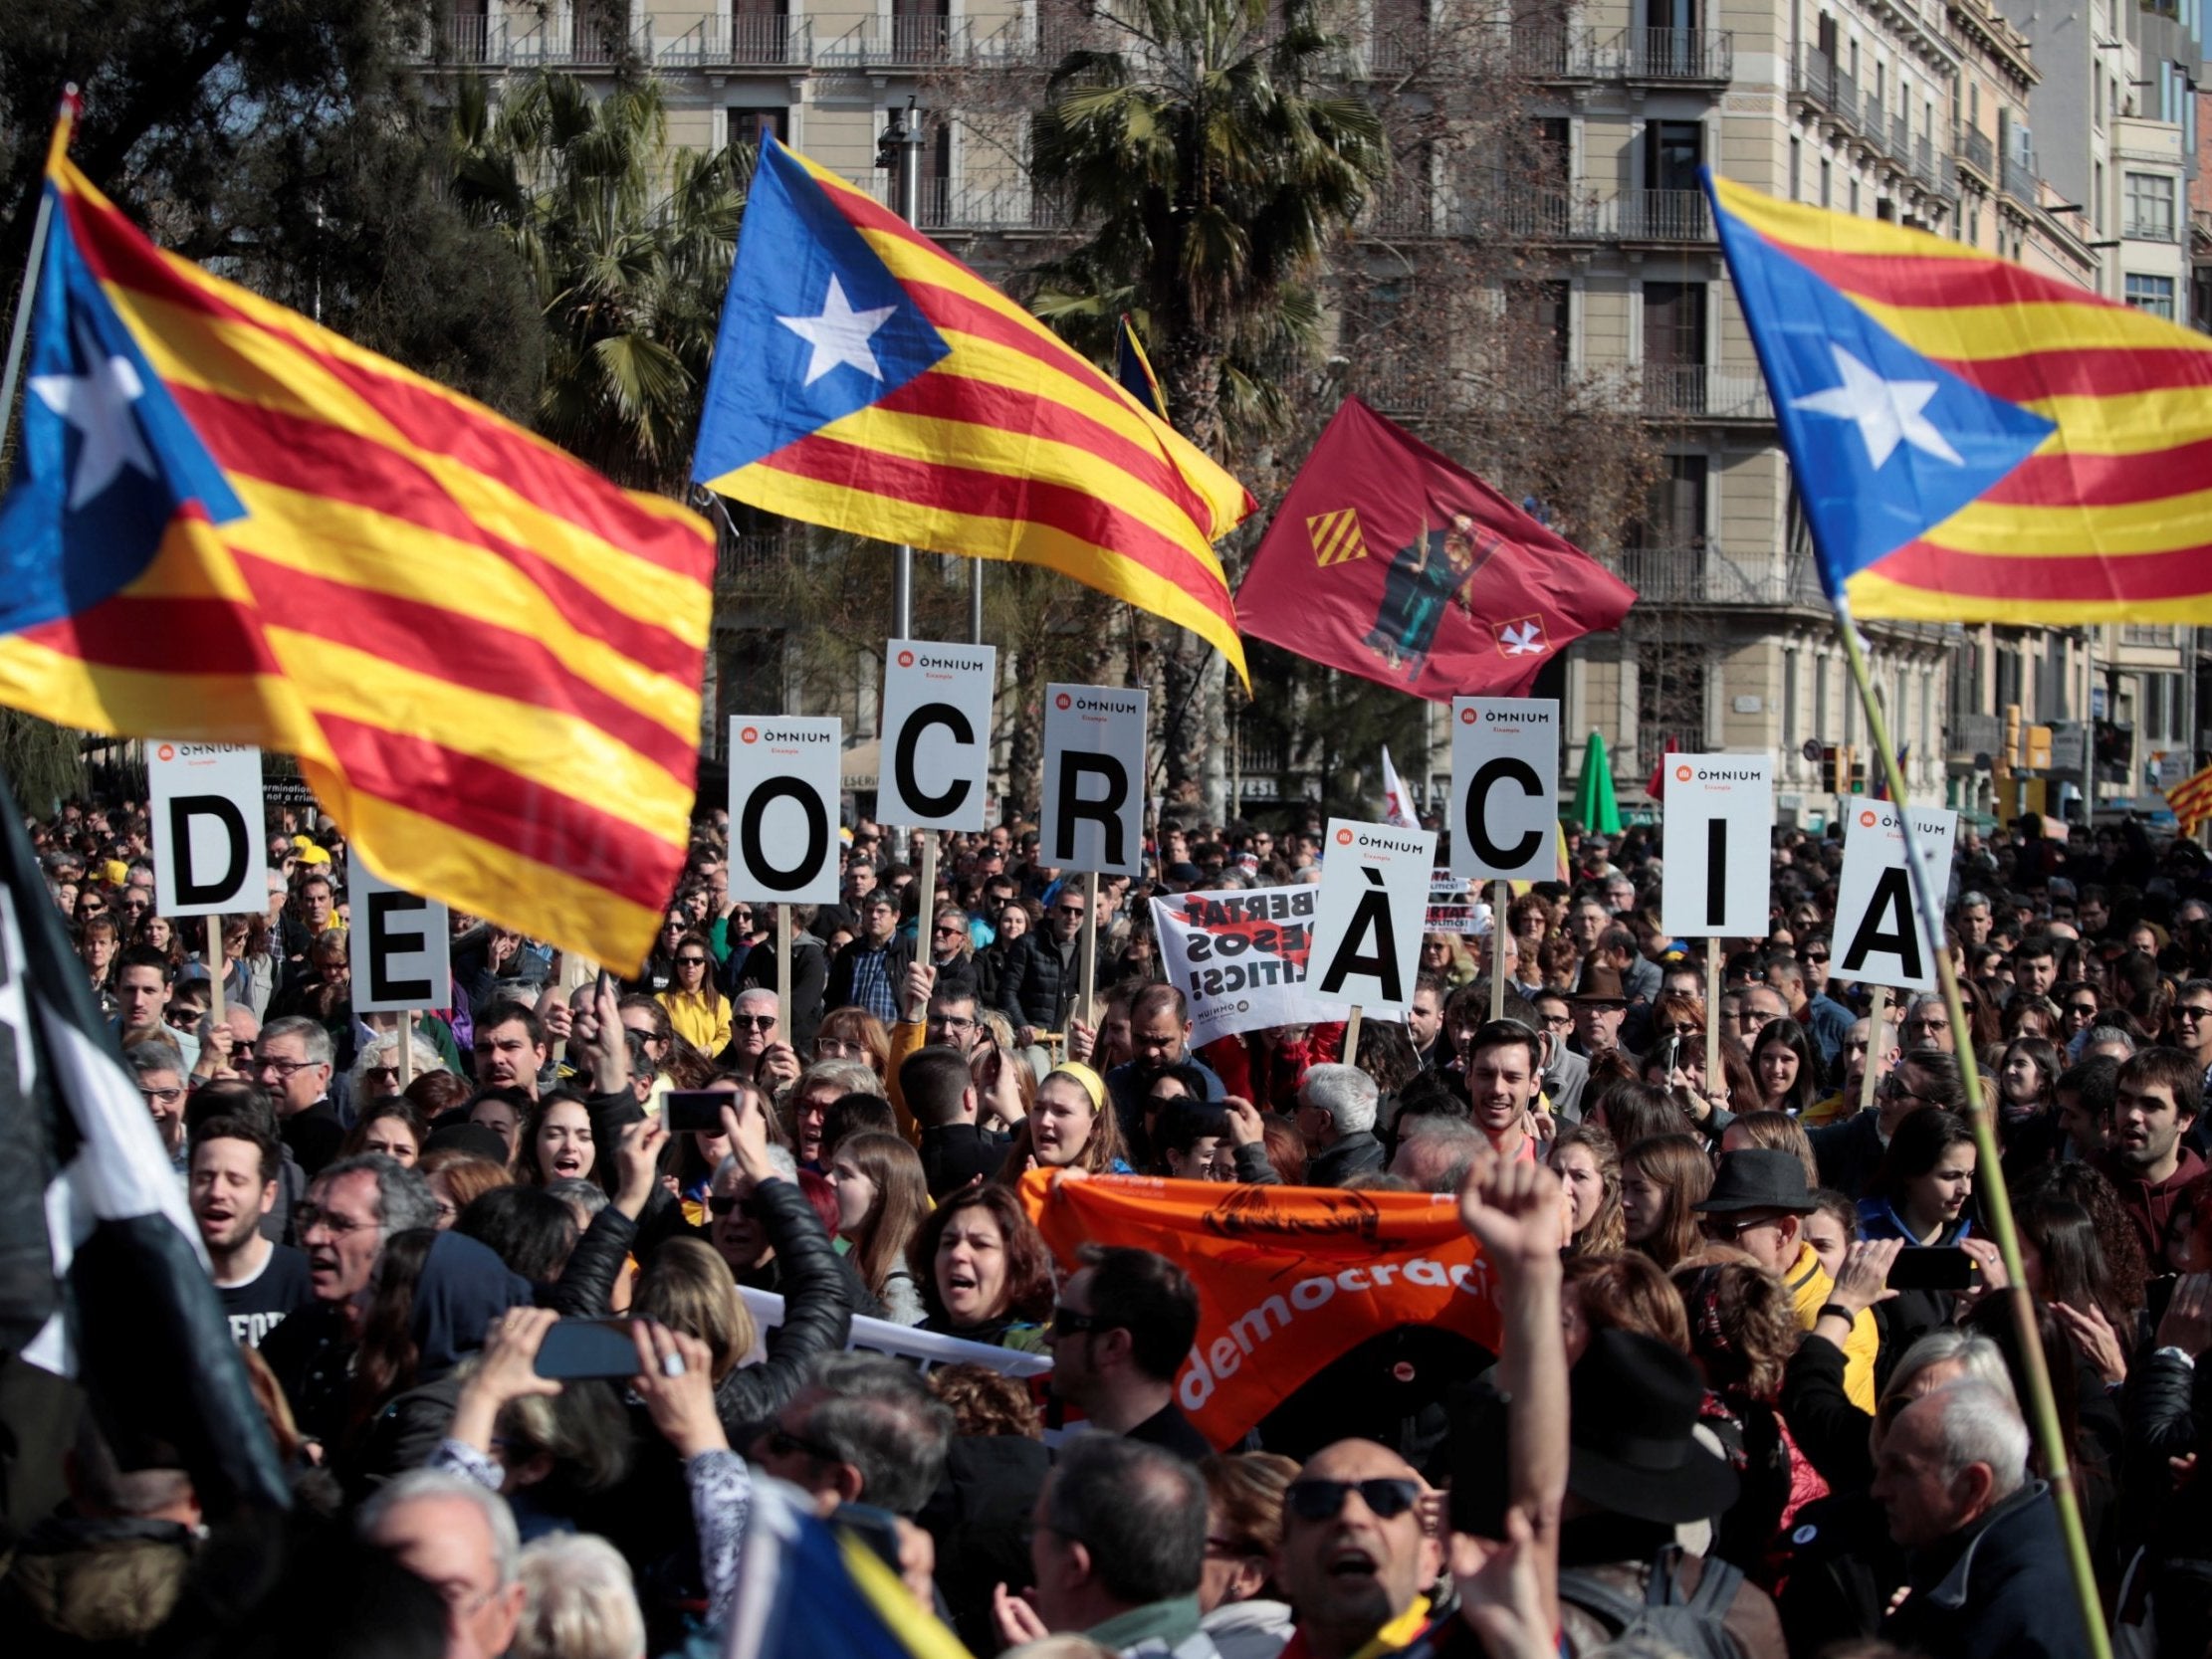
(1095,780)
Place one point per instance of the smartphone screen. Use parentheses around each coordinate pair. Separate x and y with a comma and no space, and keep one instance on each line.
(695,1111)
(1928,1268)
(583,1347)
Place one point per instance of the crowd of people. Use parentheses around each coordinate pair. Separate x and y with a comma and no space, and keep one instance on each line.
(1759,1388)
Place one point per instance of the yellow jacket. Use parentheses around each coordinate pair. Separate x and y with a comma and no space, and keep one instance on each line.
(1810,1287)
(701,1018)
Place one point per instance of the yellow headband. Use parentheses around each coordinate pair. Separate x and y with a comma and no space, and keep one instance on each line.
(1093,1085)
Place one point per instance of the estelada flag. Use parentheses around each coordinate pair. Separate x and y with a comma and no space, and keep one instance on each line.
(1289,1278)
(230,525)
(1389,560)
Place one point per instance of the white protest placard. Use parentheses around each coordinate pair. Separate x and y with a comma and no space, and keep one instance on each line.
(935,733)
(1504,787)
(400,944)
(209,853)
(1240,957)
(1877,938)
(1366,925)
(784,789)
(1720,819)
(1094,777)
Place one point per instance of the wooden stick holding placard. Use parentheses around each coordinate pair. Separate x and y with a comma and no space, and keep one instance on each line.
(215,969)
(783,974)
(1877,1017)
(407,1056)
(925,917)
(1352,1036)
(1087,951)
(1713,1019)
(1498,892)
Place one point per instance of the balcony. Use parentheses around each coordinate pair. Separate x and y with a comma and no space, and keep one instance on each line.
(2150,227)
(1663,216)
(2017,176)
(1013,206)
(558,40)
(1699,393)
(772,41)
(929,41)
(1541,213)
(1966,736)
(1975,149)
(746,560)
(1668,56)
(1706,576)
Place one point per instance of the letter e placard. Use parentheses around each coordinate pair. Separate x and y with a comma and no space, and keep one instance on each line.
(400,945)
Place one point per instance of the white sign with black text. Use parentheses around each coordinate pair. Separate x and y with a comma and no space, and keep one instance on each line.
(1367,923)
(210,855)
(1094,777)
(1718,822)
(400,944)
(1877,938)
(783,788)
(1505,787)
(935,733)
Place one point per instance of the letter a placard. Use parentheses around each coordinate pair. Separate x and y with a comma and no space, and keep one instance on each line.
(1878,937)
(1095,780)
(783,787)
(1719,814)
(1367,921)
(1504,787)
(400,945)
(935,733)
(208,846)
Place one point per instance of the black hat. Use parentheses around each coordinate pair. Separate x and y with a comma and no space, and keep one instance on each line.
(1633,1405)
(1759,1179)
(476,1139)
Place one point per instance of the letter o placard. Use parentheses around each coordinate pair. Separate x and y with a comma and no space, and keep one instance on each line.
(784,794)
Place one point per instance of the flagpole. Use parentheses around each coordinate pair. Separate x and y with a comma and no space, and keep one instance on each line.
(1989,1172)
(65,122)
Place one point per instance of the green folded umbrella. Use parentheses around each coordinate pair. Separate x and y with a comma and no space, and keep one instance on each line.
(1594,807)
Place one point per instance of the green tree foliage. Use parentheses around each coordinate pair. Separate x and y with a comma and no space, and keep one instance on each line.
(627,244)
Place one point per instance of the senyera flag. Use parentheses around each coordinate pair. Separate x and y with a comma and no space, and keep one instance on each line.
(1974,442)
(865,379)
(1389,560)
(1288,1278)
(228,525)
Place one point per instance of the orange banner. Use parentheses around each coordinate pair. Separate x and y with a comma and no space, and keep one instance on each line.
(1289,1278)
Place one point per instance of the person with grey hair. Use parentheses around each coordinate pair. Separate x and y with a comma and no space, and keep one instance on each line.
(158,1071)
(864,1429)
(291,1060)
(1117,1552)
(460,1538)
(375,1071)
(2107,1040)
(1986,1560)
(351,1211)
(1337,1105)
(1436,1151)
(578,1601)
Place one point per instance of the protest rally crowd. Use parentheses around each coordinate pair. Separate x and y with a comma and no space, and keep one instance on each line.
(1712,1424)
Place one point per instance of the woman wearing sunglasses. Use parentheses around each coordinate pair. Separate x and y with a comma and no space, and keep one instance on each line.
(700,1014)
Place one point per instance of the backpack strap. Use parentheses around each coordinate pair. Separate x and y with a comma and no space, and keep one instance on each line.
(1611,1607)
(1716,1586)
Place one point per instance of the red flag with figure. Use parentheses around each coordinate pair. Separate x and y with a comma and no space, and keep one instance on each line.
(1389,560)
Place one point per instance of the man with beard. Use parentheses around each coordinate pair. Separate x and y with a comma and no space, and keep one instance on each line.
(1159,1038)
(1505,1061)
(234,1171)
(510,1046)
(351,1211)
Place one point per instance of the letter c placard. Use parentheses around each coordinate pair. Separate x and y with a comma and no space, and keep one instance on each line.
(1504,788)
(784,794)
(935,733)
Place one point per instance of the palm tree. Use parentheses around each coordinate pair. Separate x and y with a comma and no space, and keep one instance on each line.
(628,244)
(1213,158)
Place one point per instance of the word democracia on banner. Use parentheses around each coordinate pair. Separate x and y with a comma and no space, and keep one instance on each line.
(865,379)
(230,525)
(1974,442)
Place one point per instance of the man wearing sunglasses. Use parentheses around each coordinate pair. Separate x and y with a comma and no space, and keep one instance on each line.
(1356,1561)
(1123,1324)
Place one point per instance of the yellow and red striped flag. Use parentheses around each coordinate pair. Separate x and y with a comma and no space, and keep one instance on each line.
(867,380)
(2192,799)
(228,525)
(1973,441)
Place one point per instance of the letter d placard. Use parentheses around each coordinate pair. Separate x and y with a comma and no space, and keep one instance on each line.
(1367,919)
(935,733)
(1878,937)
(1719,815)
(1504,787)
(783,788)
(1095,780)
(209,850)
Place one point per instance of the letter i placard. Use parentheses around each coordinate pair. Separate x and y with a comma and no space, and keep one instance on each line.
(1095,780)
(210,849)
(1878,937)
(1720,821)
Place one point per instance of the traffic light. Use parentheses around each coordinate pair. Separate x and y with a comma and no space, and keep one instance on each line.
(1840,763)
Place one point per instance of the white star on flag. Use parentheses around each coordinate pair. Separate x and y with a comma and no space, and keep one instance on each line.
(840,335)
(1886,412)
(1521,639)
(97,403)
